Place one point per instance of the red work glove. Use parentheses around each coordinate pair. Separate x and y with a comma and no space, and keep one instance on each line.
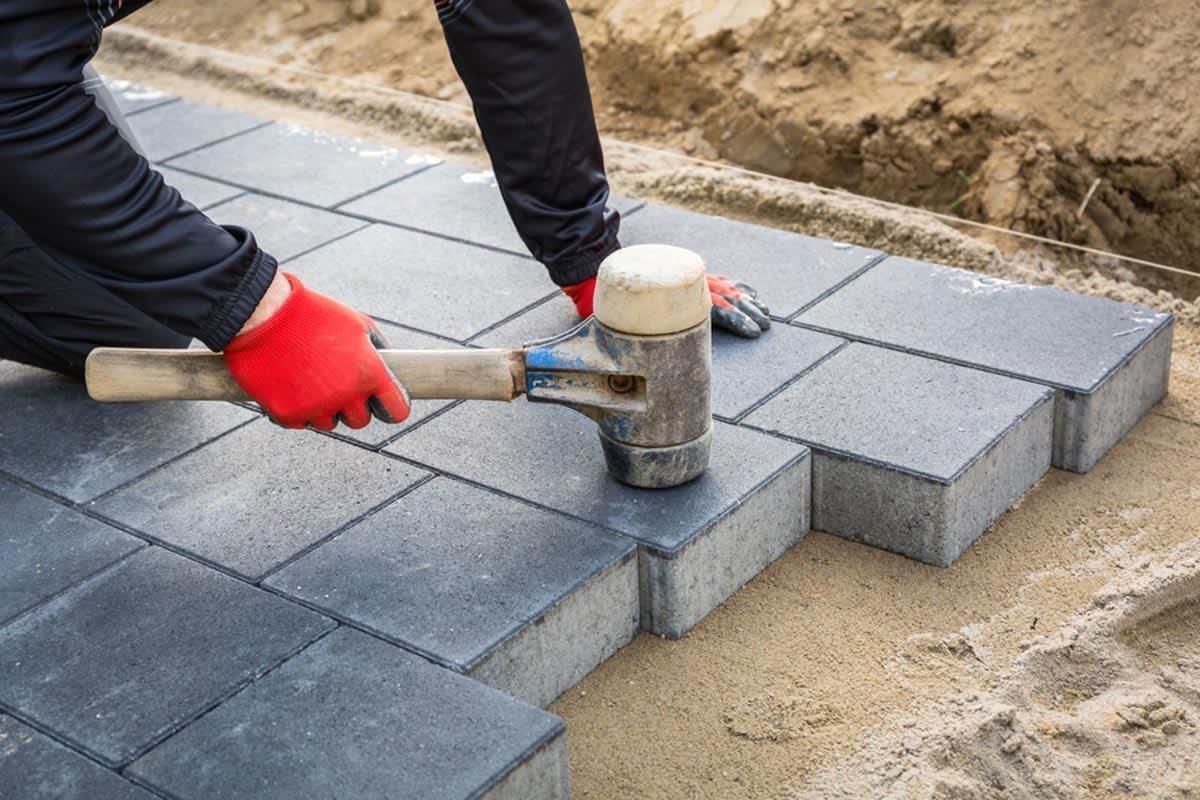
(313,363)
(736,307)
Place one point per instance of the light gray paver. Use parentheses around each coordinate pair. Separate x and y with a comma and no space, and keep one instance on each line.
(172,129)
(744,371)
(699,542)
(352,716)
(302,164)
(200,192)
(259,496)
(451,289)
(455,200)
(910,454)
(283,229)
(35,767)
(789,271)
(520,598)
(94,447)
(1107,361)
(124,658)
(132,97)
(46,547)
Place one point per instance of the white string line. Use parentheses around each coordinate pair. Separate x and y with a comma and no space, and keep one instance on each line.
(843,193)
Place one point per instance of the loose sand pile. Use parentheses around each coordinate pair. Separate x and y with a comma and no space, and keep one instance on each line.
(843,670)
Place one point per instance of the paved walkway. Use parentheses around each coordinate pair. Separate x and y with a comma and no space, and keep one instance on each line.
(196,604)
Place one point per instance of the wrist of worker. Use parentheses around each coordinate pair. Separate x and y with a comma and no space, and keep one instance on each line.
(272,300)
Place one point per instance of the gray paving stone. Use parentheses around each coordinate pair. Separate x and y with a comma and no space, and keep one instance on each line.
(1108,361)
(455,200)
(699,542)
(302,164)
(910,454)
(200,192)
(132,97)
(352,716)
(259,496)
(744,371)
(789,271)
(283,229)
(523,599)
(125,658)
(428,283)
(172,129)
(35,767)
(46,547)
(55,436)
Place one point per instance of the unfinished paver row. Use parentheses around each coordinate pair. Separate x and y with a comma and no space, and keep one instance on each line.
(1108,362)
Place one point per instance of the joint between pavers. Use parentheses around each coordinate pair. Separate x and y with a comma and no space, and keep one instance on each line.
(789,383)
(338,205)
(227,696)
(837,287)
(57,737)
(167,161)
(494,326)
(337,238)
(166,101)
(329,537)
(94,574)
(216,203)
(169,462)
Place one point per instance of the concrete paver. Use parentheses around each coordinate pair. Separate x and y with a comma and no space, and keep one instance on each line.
(789,271)
(93,448)
(132,97)
(302,164)
(447,288)
(200,192)
(126,657)
(744,371)
(283,229)
(355,717)
(35,767)
(520,598)
(700,541)
(455,200)
(46,547)
(259,496)
(1107,361)
(913,455)
(173,129)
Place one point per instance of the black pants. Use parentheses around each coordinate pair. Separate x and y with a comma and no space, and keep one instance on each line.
(95,249)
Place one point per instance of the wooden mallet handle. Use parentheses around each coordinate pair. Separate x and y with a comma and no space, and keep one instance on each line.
(124,375)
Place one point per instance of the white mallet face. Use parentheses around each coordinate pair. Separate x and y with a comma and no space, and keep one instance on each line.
(652,290)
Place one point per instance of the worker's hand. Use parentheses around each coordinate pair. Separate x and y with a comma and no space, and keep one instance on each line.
(313,363)
(736,307)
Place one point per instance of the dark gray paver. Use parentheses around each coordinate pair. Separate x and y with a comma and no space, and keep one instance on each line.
(352,716)
(306,165)
(172,129)
(124,658)
(455,200)
(35,767)
(283,229)
(46,547)
(55,436)
(1108,361)
(200,192)
(744,371)
(422,281)
(523,599)
(700,541)
(789,271)
(910,454)
(256,498)
(132,97)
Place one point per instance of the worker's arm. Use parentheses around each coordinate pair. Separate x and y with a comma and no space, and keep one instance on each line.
(523,67)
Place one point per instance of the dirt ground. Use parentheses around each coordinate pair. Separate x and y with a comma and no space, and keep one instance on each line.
(1006,112)
(1059,657)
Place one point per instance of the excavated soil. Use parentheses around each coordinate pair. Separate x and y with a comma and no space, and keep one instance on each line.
(1009,112)
(1058,658)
